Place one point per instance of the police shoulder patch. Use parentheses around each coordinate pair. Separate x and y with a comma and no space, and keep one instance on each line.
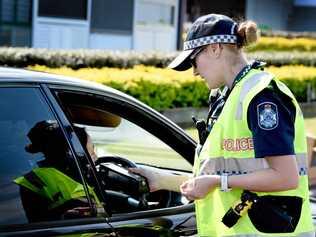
(268,118)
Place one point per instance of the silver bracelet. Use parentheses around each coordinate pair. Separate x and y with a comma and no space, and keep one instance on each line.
(224,183)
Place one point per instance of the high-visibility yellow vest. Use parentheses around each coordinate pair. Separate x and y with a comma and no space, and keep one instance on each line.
(229,149)
(54,186)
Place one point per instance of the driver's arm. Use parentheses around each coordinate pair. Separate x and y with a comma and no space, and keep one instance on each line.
(159,179)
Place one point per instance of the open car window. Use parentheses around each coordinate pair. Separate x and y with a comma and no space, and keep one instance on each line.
(123,134)
(135,143)
(118,129)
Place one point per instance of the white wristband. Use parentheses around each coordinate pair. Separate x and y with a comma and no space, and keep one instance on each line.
(224,183)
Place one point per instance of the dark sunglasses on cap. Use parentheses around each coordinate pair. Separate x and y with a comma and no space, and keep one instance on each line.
(195,54)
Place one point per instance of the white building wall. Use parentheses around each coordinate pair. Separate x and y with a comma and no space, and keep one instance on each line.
(148,38)
(62,34)
(59,33)
(110,41)
(148,35)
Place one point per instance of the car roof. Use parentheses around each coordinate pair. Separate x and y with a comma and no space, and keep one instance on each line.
(17,75)
(8,74)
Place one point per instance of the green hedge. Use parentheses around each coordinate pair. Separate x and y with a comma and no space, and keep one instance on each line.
(165,88)
(159,88)
(285,58)
(300,79)
(288,34)
(284,44)
(23,57)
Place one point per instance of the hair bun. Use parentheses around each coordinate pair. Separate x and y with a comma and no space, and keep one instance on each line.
(248,33)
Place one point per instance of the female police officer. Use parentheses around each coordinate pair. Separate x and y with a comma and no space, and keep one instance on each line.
(256,144)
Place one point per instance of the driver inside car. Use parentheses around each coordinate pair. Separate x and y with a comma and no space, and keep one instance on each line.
(86,141)
(51,186)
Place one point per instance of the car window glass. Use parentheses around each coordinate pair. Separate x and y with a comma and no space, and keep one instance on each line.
(130,141)
(34,160)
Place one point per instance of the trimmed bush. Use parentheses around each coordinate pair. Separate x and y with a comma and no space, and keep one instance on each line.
(284,44)
(159,88)
(285,58)
(288,34)
(300,79)
(165,88)
(23,57)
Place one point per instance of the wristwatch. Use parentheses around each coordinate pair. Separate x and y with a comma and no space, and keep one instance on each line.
(224,182)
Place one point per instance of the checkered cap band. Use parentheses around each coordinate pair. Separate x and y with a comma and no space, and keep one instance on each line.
(192,44)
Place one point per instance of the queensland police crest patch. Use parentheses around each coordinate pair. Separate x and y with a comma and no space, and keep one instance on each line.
(268,118)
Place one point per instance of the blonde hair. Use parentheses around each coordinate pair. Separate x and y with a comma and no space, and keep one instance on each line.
(248,34)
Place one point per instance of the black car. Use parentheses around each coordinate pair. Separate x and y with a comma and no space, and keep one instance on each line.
(124,132)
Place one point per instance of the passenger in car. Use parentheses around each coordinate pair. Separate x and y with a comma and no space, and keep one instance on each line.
(50,192)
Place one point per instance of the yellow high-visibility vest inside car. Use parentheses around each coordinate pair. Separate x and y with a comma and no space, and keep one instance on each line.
(56,187)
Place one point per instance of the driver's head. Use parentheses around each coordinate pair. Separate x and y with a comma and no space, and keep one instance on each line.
(86,141)
(47,137)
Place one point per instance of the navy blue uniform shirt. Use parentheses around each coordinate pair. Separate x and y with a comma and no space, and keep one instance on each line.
(271,116)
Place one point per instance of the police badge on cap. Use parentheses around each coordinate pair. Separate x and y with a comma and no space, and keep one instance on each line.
(268,118)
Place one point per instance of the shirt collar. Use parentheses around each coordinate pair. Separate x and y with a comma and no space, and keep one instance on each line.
(243,72)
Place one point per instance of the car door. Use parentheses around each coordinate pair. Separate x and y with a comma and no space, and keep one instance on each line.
(122,127)
(36,160)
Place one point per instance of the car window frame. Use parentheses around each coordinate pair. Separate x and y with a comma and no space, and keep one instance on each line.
(42,89)
(50,89)
(76,147)
(100,225)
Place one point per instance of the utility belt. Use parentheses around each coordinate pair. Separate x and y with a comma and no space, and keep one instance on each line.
(268,213)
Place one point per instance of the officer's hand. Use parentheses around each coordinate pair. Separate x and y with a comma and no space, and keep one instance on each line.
(151,174)
(199,187)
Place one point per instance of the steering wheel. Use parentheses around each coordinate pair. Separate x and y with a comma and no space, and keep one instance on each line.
(125,163)
(164,197)
(125,191)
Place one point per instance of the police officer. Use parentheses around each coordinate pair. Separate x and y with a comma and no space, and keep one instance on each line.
(258,142)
